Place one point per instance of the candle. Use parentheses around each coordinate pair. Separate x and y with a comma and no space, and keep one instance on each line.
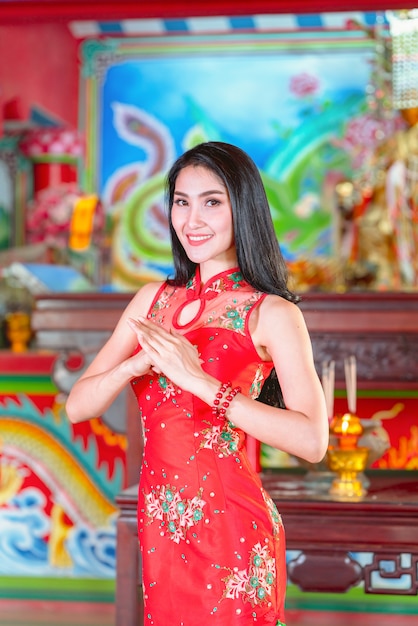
(347,428)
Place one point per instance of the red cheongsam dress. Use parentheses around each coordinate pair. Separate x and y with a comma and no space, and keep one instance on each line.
(211,538)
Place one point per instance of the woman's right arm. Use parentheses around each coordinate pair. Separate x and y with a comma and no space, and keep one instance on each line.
(114,366)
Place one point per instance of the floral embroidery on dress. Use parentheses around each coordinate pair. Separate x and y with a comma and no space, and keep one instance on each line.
(159,305)
(255,583)
(234,317)
(167,388)
(165,504)
(223,283)
(256,385)
(230,281)
(223,440)
(217,287)
(274,513)
(236,278)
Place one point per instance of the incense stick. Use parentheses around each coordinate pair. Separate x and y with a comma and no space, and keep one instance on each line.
(350,370)
(328,381)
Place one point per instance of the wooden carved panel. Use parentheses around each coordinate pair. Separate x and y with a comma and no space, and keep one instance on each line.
(310,571)
(380,357)
(379,329)
(392,567)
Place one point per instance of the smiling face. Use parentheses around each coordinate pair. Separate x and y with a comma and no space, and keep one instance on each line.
(202,218)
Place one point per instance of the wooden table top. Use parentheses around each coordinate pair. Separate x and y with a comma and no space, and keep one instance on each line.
(386,491)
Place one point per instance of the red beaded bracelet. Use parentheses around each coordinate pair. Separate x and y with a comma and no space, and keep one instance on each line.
(219,395)
(225,388)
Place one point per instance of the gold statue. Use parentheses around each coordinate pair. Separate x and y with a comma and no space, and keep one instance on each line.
(18,330)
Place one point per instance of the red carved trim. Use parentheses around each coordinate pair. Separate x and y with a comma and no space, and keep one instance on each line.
(49,10)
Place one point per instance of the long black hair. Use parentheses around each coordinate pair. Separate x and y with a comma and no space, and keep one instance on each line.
(258,252)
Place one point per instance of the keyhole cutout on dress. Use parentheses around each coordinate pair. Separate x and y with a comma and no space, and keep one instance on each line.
(189,312)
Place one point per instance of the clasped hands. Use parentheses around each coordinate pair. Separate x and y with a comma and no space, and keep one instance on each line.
(167,352)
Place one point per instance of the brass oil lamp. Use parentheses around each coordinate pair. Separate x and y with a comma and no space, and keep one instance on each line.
(347,459)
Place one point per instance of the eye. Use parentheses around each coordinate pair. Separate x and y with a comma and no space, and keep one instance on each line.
(213,202)
(180,202)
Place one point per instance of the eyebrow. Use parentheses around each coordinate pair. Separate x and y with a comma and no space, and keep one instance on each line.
(210,192)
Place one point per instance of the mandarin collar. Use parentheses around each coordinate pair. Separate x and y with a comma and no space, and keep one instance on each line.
(228,280)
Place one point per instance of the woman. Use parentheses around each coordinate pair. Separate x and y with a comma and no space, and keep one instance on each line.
(196,350)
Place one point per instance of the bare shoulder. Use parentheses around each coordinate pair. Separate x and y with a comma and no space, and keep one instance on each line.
(147,292)
(277,308)
(143,299)
(279,318)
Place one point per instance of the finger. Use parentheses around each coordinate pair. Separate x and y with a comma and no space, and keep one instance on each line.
(142,333)
(133,325)
(154,330)
(140,330)
(151,329)
(149,345)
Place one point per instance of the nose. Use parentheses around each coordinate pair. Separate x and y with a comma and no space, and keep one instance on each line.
(194,217)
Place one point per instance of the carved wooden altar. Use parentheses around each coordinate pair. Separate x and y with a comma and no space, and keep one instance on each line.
(327,531)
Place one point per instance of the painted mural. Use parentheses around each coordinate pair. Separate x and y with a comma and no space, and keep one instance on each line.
(58,482)
(293,103)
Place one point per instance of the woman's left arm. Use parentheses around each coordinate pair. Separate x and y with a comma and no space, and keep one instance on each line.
(302,429)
